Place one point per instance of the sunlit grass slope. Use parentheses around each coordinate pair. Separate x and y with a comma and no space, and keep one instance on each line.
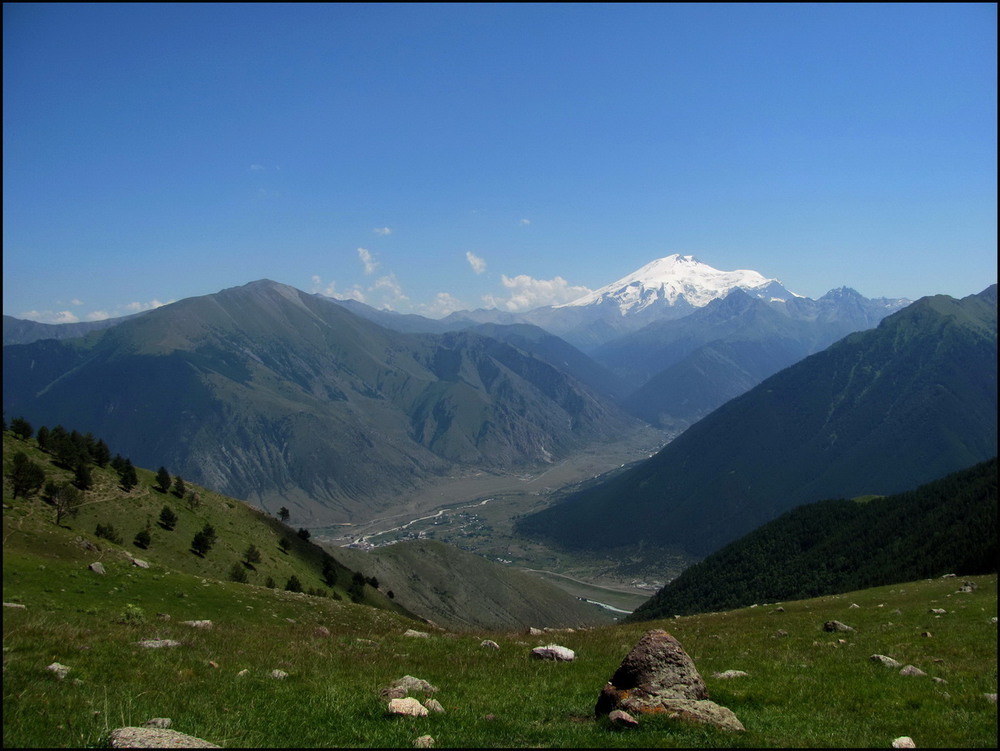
(808,688)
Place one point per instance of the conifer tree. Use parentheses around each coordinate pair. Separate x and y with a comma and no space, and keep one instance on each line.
(163,479)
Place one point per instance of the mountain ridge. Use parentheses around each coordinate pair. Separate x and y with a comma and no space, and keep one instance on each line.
(877,412)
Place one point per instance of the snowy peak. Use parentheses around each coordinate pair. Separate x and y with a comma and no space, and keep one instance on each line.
(679,280)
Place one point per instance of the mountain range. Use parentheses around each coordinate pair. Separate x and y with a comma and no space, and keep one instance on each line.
(875,413)
(334,408)
(270,394)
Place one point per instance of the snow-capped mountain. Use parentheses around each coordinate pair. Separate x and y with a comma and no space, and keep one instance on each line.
(679,280)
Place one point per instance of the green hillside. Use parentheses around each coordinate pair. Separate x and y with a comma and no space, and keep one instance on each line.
(282,398)
(879,412)
(30,526)
(463,591)
(948,526)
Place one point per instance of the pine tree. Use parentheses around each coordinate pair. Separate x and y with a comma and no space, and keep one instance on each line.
(128,475)
(163,479)
(26,477)
(82,477)
(179,488)
(168,519)
(283,514)
(143,538)
(252,555)
(238,574)
(293,584)
(203,540)
(21,428)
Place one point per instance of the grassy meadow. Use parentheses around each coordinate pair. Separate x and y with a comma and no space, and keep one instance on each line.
(808,688)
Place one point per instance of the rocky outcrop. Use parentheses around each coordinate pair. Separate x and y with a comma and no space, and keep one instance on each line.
(658,677)
(155,738)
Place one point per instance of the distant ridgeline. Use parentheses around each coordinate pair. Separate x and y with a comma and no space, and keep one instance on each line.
(946,526)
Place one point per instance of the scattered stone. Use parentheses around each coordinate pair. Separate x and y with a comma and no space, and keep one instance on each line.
(778,609)
(554,652)
(938,680)
(659,677)
(886,661)
(434,706)
(163,616)
(158,643)
(418,634)
(730,674)
(140,563)
(993,619)
(927,635)
(359,640)
(279,675)
(834,626)
(242,673)
(853,605)
(407,707)
(86,545)
(155,738)
(213,663)
(17,605)
(991,697)
(781,632)
(912,670)
(904,741)
(407,685)
(424,741)
(489,717)
(60,670)
(197,624)
(489,644)
(532,631)
(97,567)
(158,722)
(938,611)
(321,631)
(949,576)
(622,719)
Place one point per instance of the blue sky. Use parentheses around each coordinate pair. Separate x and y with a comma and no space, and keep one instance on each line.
(428,158)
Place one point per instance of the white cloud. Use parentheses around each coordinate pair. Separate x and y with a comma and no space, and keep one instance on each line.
(138,307)
(478,264)
(443,304)
(257,167)
(390,286)
(383,231)
(76,301)
(330,290)
(98,315)
(527,293)
(525,222)
(49,316)
(368,260)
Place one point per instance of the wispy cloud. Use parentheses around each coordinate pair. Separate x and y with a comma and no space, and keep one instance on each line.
(383,231)
(527,293)
(478,264)
(443,304)
(67,316)
(524,222)
(49,316)
(368,260)
(330,290)
(257,168)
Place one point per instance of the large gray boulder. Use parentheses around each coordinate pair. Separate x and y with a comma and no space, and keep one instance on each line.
(658,677)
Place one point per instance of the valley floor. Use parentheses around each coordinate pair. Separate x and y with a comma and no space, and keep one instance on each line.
(475,511)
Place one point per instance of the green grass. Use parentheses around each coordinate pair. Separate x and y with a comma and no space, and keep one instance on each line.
(806,689)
